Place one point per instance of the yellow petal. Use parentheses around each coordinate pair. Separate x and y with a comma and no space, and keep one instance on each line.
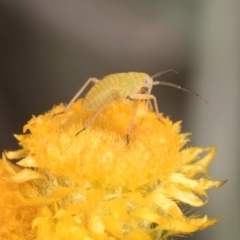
(43,226)
(137,234)
(190,154)
(180,179)
(206,184)
(28,162)
(118,208)
(97,228)
(26,175)
(184,195)
(9,167)
(150,216)
(113,226)
(16,154)
(169,207)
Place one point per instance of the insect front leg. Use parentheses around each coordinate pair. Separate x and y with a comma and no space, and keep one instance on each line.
(148,102)
(93,80)
(148,97)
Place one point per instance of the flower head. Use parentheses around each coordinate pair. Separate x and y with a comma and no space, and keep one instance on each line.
(95,186)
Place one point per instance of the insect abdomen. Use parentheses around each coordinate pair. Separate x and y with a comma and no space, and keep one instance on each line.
(121,85)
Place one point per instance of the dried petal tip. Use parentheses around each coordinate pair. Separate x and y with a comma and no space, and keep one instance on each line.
(94,186)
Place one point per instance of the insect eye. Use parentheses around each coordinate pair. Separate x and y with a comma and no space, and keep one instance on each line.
(146,81)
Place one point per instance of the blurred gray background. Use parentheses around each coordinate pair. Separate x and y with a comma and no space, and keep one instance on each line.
(48,49)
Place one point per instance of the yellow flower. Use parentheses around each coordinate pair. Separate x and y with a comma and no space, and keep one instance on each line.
(94,186)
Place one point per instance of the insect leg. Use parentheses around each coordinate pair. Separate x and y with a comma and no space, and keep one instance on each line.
(148,97)
(89,122)
(135,106)
(93,80)
(149,103)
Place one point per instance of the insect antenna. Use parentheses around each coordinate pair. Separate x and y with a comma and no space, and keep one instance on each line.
(181,88)
(163,72)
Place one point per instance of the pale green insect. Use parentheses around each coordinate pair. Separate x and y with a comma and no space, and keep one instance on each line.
(125,87)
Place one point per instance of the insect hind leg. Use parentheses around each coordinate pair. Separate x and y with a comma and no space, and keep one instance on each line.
(89,122)
(93,80)
(135,106)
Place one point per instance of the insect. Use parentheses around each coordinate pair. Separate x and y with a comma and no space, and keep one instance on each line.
(125,87)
